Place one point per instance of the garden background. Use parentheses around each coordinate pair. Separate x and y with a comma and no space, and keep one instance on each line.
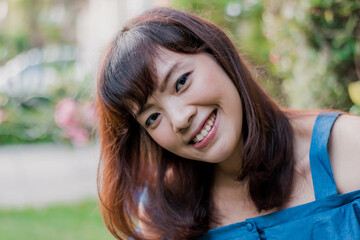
(305,52)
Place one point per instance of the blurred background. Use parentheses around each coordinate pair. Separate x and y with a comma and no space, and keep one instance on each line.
(305,52)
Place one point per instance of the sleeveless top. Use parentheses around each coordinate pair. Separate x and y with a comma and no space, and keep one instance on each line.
(330,216)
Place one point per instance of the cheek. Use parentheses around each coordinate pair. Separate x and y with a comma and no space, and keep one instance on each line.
(164,138)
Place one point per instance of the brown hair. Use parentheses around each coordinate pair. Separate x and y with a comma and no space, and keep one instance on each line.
(178,202)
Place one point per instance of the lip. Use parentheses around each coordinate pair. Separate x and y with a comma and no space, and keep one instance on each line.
(200,127)
(209,136)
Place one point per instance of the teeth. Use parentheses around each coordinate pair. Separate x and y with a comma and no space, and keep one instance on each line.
(199,137)
(206,129)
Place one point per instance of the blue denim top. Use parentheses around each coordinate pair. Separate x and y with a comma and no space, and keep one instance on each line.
(330,216)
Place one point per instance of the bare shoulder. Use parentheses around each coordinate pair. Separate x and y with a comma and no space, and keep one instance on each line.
(344,153)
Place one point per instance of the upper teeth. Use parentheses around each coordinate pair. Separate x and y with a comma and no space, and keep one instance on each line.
(206,129)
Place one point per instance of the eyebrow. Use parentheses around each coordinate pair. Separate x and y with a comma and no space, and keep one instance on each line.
(143,109)
(162,87)
(168,76)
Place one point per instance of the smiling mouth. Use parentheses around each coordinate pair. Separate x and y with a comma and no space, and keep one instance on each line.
(205,130)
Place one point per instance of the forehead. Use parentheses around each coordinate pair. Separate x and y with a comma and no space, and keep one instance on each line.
(166,59)
(167,63)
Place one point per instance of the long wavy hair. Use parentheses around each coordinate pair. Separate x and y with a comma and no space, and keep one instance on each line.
(175,193)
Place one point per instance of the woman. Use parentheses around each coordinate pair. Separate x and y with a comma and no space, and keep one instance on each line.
(191,146)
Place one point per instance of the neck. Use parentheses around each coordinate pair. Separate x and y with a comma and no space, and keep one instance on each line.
(231,166)
(227,171)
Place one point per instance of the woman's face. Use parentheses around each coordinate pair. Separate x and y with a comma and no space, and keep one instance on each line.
(195,112)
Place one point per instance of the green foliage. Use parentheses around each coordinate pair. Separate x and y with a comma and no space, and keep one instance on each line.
(315,42)
(308,52)
(27,121)
(37,37)
(30,118)
(244,28)
(33,23)
(65,222)
(307,47)
(335,27)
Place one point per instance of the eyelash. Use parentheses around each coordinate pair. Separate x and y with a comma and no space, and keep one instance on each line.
(154,116)
(151,118)
(181,78)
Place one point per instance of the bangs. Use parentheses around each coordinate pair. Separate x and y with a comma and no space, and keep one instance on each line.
(130,76)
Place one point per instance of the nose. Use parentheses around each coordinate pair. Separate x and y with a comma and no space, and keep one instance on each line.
(181,115)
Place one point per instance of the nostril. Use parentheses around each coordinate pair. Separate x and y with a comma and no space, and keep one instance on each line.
(191,118)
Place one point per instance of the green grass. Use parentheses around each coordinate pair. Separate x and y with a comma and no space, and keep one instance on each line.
(65,222)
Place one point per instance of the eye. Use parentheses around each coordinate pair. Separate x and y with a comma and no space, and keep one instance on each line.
(181,81)
(151,119)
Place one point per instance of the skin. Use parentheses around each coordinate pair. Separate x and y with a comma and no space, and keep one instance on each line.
(178,111)
(197,87)
(231,198)
(344,152)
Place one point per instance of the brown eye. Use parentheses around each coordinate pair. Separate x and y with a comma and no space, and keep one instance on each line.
(181,81)
(151,119)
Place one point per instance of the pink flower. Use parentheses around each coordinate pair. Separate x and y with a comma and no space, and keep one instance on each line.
(66,112)
(89,114)
(75,119)
(79,136)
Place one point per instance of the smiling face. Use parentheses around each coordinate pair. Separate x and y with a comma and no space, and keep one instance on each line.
(195,111)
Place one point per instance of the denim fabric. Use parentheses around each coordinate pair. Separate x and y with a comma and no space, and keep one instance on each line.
(330,216)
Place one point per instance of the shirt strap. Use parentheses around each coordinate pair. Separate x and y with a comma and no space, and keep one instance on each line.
(323,179)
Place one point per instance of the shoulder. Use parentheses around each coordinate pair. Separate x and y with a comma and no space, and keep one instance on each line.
(344,152)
